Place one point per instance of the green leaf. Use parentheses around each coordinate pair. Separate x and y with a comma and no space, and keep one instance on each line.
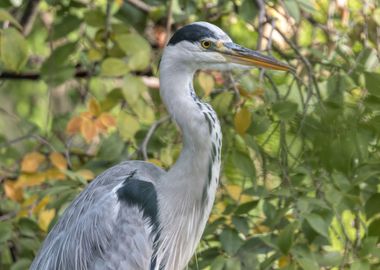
(248,10)
(372,83)
(231,242)
(244,208)
(285,110)
(244,164)
(67,25)
(28,227)
(360,265)
(136,48)
(112,99)
(127,125)
(374,228)
(369,246)
(372,205)
(95,18)
(56,68)
(5,231)
(293,9)
(113,67)
(21,264)
(285,238)
(59,57)
(221,103)
(232,264)
(307,263)
(318,224)
(6,16)
(14,49)
(133,87)
(241,224)
(218,263)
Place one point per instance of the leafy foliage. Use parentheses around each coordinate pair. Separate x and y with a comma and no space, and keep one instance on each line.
(300,180)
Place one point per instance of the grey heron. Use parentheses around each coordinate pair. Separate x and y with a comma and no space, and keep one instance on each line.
(135,215)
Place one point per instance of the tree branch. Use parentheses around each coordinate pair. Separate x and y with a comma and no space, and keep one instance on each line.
(29,16)
(149,81)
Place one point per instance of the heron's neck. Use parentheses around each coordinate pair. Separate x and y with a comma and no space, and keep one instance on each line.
(188,189)
(198,123)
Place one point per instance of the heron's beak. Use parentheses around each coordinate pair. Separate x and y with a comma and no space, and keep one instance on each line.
(237,54)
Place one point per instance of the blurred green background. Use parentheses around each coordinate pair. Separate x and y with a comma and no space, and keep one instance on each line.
(301,164)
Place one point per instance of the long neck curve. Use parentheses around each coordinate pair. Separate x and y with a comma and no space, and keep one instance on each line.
(197,120)
(187,191)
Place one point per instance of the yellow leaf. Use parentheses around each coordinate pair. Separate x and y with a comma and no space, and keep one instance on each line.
(260,229)
(220,207)
(234,191)
(31,162)
(22,213)
(74,125)
(29,201)
(41,204)
(283,261)
(94,55)
(45,217)
(58,160)
(155,161)
(13,191)
(86,174)
(88,130)
(94,107)
(242,120)
(54,174)
(206,81)
(28,180)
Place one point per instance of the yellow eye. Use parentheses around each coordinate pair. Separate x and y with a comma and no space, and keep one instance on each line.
(206,44)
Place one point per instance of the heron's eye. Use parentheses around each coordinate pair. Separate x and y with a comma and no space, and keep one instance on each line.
(206,44)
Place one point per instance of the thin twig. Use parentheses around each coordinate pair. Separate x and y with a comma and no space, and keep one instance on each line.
(261,6)
(148,136)
(141,5)
(107,32)
(169,20)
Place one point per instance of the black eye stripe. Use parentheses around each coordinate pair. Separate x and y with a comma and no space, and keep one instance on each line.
(193,33)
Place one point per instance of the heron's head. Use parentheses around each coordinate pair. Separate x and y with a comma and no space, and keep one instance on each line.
(202,45)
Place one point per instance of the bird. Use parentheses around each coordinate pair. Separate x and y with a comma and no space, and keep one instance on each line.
(136,215)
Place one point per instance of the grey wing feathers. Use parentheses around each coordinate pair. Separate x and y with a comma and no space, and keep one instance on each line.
(97,231)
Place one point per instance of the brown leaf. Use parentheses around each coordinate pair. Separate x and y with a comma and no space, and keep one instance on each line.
(94,107)
(107,120)
(88,130)
(74,125)
(242,120)
(58,160)
(12,191)
(31,162)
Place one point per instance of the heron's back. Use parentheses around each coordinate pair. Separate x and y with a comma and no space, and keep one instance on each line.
(101,229)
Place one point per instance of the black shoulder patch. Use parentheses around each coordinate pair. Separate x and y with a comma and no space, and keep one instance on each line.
(142,194)
(192,33)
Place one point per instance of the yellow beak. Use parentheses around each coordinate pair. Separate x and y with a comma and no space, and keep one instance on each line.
(237,54)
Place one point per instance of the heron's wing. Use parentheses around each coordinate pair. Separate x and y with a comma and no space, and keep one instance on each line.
(110,225)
